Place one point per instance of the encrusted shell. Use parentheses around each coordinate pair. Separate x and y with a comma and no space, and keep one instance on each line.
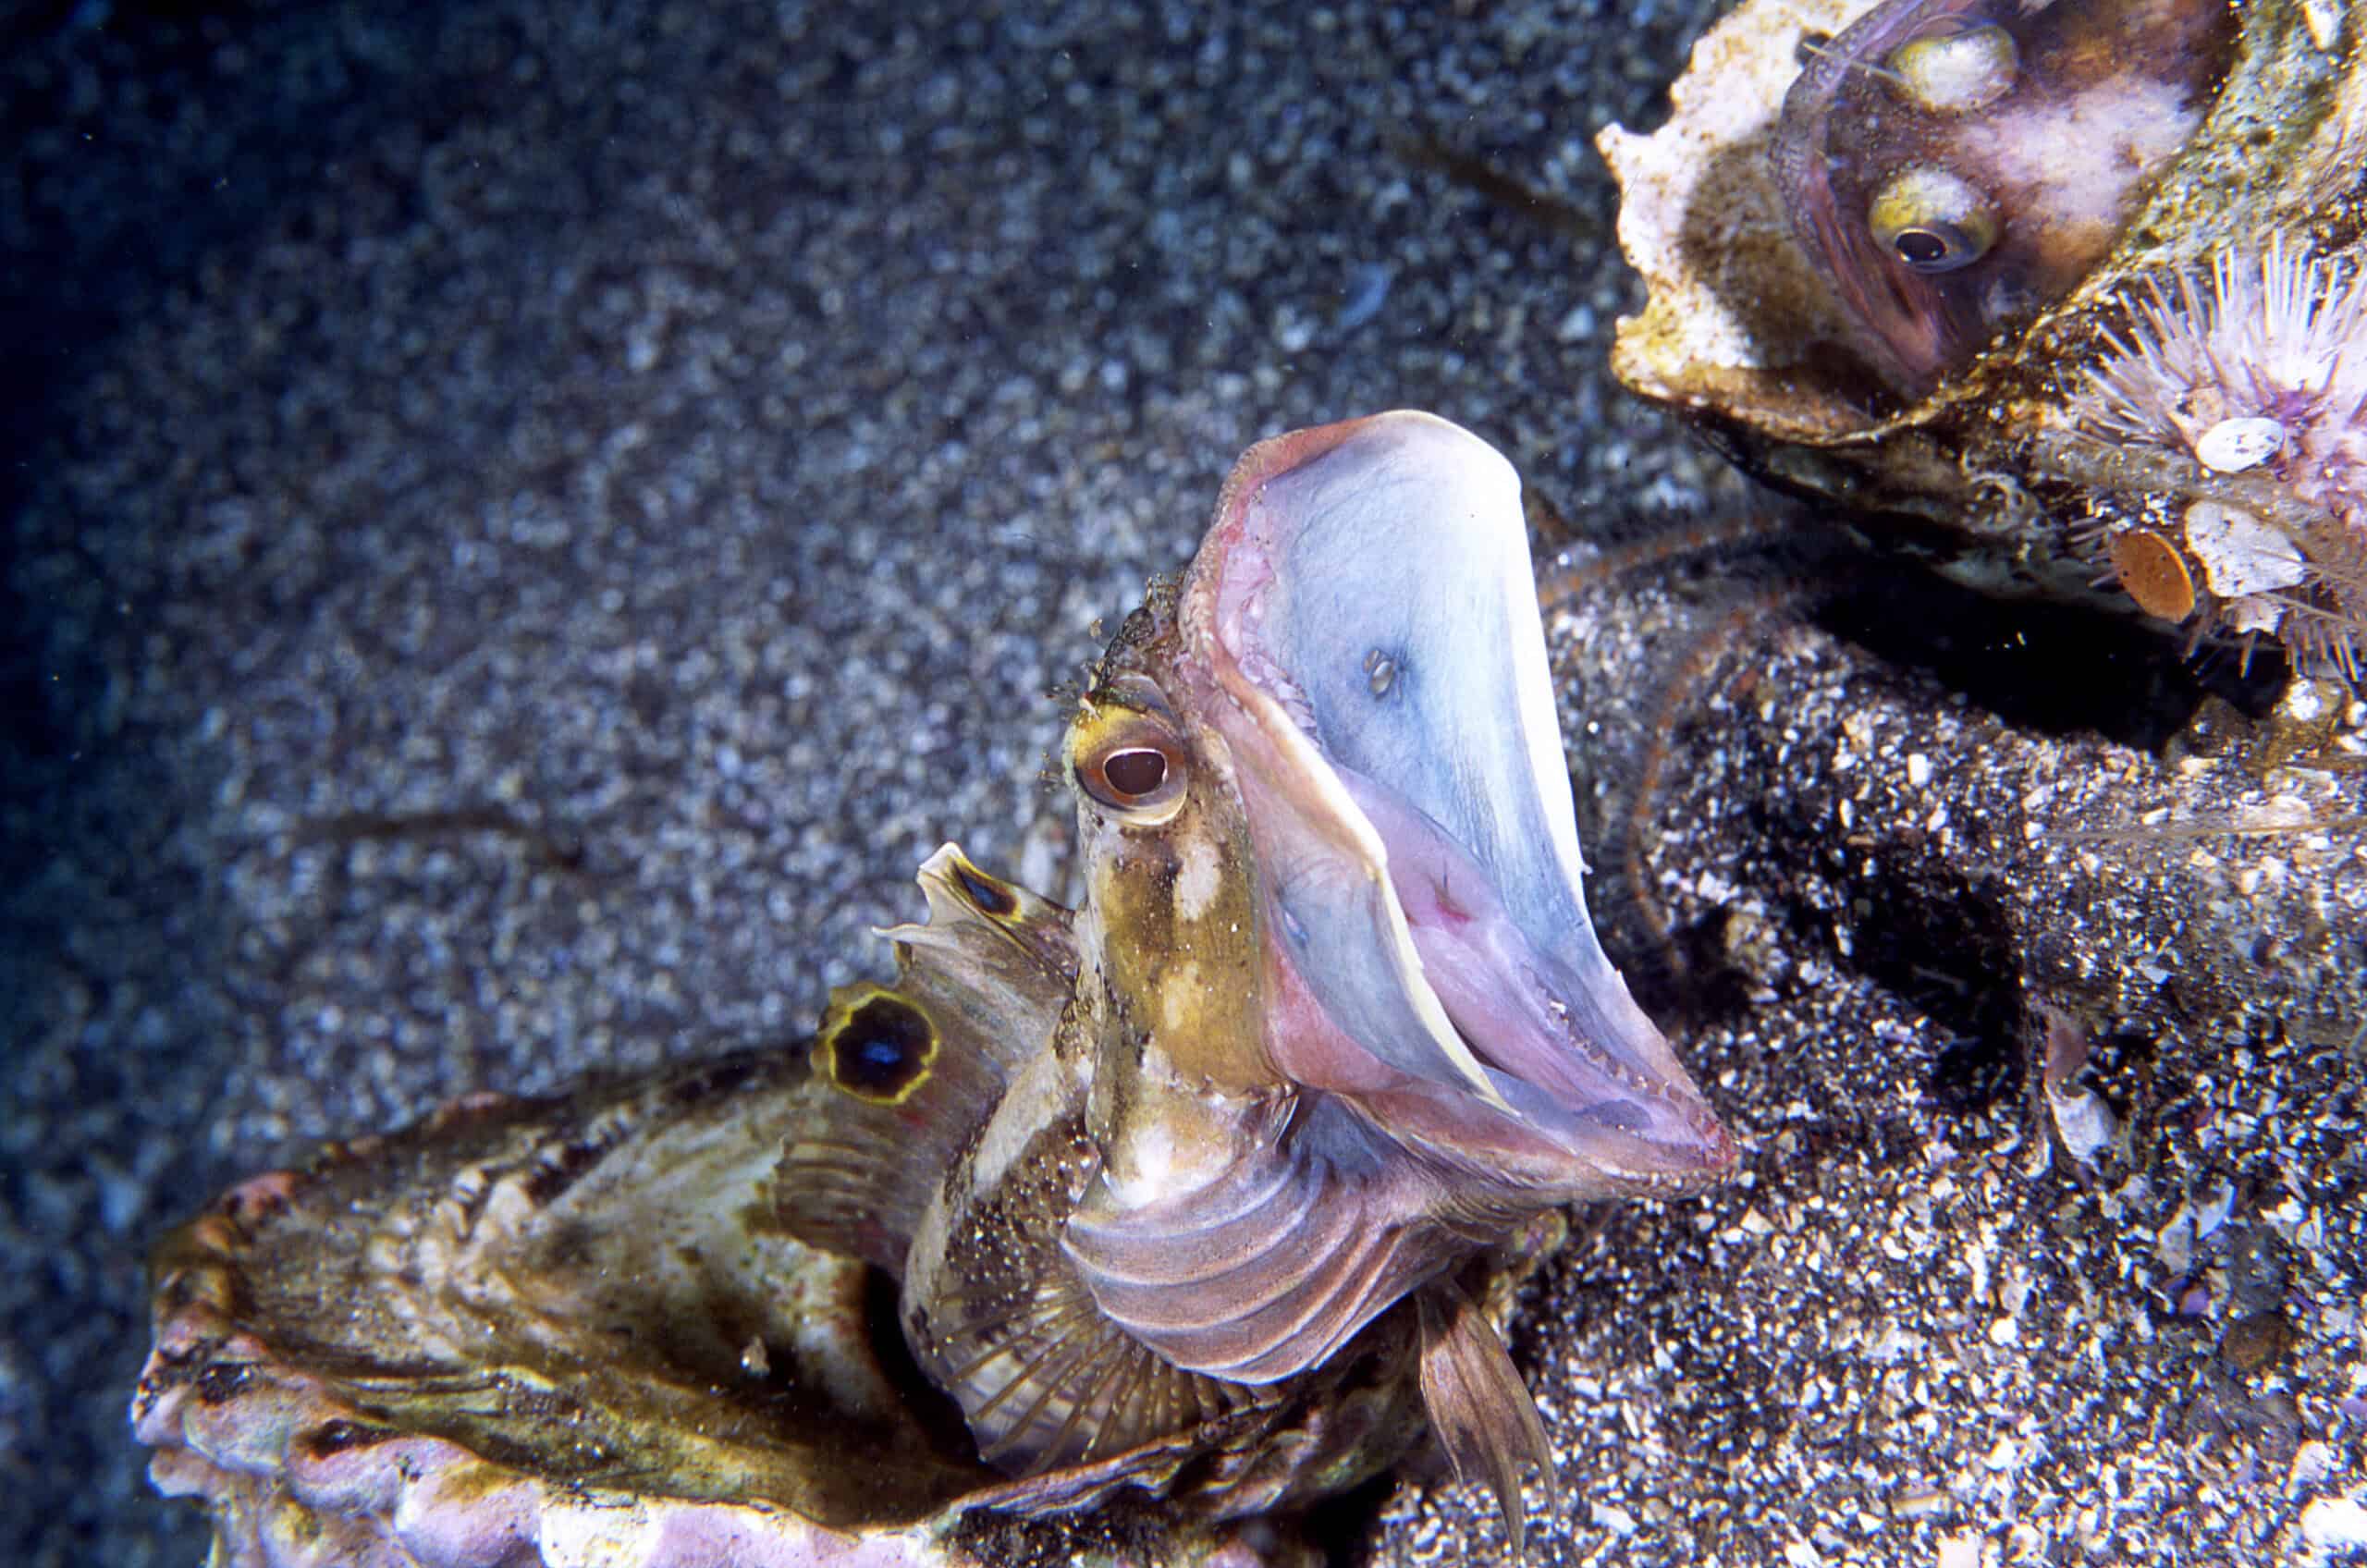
(565,1332)
(2117,404)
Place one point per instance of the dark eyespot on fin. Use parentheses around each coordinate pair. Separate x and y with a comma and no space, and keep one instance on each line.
(876,1046)
(894,1096)
(992,961)
(904,1076)
(990,894)
(1479,1406)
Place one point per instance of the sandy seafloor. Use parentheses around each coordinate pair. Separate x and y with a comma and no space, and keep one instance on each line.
(526,523)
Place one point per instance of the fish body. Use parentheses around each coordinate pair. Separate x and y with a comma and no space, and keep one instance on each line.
(1215,1165)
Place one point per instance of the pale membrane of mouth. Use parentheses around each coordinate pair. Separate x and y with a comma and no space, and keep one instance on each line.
(1374,622)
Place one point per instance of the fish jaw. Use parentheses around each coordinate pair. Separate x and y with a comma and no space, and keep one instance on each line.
(1359,635)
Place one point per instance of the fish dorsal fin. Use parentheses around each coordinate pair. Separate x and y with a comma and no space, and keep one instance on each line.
(905,1075)
(1263,1272)
(1477,1404)
(994,959)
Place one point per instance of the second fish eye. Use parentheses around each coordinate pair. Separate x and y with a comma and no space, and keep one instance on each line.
(1954,72)
(1932,221)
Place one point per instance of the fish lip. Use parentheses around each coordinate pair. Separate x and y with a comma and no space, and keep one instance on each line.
(1441,974)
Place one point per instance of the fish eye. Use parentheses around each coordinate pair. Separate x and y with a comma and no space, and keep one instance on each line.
(1955,71)
(1932,221)
(1135,773)
(1135,769)
(1139,777)
(1125,754)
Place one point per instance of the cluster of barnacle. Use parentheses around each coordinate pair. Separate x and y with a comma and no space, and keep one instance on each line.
(2247,384)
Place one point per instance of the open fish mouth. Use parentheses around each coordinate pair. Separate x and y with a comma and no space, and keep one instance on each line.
(1364,615)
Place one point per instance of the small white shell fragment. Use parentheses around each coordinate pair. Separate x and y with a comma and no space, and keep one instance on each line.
(2306,701)
(1960,1552)
(2256,614)
(2313,1463)
(2174,1243)
(1919,1501)
(2216,1206)
(1618,1521)
(2324,19)
(2240,554)
(2235,445)
(2084,1122)
(2311,1234)
(2333,1526)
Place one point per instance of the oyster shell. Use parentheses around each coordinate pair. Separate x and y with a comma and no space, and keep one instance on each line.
(431,1347)
(2108,273)
(571,1331)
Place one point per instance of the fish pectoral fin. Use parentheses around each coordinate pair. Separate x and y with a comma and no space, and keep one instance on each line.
(1046,1381)
(1266,1271)
(1477,1404)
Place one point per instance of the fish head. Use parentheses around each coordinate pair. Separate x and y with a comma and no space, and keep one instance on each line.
(1954,166)
(1172,985)
(1331,856)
